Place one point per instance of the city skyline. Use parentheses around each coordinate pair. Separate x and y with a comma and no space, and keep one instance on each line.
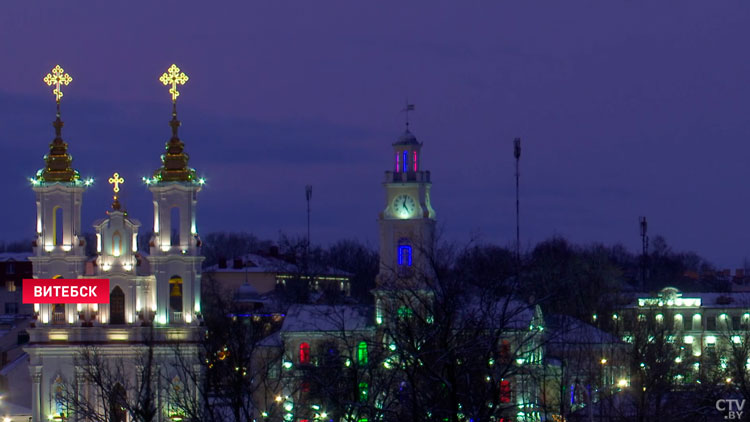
(644,119)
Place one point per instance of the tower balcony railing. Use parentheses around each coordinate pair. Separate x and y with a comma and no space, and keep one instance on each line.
(407,176)
(176,317)
(58,317)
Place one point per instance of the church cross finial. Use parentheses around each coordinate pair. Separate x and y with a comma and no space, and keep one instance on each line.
(116,180)
(58,78)
(173,77)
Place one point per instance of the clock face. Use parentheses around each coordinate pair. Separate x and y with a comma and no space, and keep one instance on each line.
(404,206)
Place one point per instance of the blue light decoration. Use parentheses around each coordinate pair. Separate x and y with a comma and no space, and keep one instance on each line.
(572,394)
(406,159)
(404,255)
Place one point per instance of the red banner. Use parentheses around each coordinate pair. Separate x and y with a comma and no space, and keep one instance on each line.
(66,290)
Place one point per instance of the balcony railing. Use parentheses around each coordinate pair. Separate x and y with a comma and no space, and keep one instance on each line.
(176,317)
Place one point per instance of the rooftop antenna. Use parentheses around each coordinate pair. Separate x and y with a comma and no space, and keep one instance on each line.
(517,155)
(308,197)
(644,253)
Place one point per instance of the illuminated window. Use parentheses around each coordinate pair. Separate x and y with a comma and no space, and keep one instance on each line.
(415,160)
(363,387)
(504,391)
(304,353)
(175,293)
(10,285)
(362,353)
(404,255)
(405,312)
(116,244)
(406,161)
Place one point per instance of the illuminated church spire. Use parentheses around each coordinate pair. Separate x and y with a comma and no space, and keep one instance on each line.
(58,163)
(175,161)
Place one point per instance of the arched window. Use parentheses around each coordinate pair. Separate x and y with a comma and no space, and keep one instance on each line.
(404,255)
(406,161)
(362,353)
(117,306)
(175,293)
(59,402)
(57,226)
(174,221)
(116,244)
(118,405)
(304,353)
(415,160)
(398,161)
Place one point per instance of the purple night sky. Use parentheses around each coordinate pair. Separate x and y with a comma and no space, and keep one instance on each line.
(625,109)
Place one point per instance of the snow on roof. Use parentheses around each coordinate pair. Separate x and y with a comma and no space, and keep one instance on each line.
(325,318)
(15,256)
(256,263)
(273,340)
(564,329)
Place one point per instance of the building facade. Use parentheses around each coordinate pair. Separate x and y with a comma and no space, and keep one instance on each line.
(154,307)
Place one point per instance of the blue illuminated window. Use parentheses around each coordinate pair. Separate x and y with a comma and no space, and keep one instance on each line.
(404,255)
(406,160)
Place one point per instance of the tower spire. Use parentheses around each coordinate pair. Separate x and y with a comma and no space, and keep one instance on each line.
(58,163)
(175,162)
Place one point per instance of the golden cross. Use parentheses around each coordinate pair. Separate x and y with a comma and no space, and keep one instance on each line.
(174,77)
(57,77)
(116,180)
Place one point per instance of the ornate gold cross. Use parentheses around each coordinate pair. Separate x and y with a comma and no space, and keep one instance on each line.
(58,78)
(116,180)
(174,77)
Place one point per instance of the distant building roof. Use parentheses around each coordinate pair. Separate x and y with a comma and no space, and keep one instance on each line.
(564,329)
(504,312)
(15,256)
(257,263)
(326,318)
(672,297)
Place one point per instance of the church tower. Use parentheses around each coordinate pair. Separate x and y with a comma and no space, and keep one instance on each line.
(175,246)
(59,247)
(407,224)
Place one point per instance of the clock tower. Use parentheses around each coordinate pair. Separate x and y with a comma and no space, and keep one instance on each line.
(407,224)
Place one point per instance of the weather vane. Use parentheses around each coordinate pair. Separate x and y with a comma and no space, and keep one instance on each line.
(174,77)
(58,78)
(407,109)
(116,180)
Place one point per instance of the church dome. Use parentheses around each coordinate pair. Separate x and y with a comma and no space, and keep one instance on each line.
(407,138)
